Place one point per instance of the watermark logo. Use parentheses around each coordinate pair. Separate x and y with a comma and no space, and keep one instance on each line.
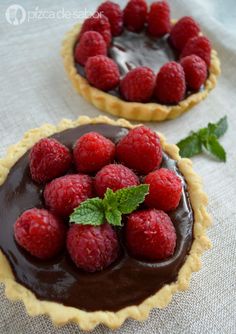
(15,15)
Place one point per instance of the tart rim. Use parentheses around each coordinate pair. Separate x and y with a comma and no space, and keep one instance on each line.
(60,314)
(131,110)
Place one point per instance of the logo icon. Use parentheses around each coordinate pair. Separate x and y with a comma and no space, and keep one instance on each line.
(15,15)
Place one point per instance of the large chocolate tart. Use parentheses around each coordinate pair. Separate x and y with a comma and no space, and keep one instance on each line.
(128,288)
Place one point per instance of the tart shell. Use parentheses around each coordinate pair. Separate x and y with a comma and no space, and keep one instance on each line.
(60,314)
(131,110)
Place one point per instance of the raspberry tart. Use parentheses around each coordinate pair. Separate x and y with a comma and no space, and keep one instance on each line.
(139,64)
(106,236)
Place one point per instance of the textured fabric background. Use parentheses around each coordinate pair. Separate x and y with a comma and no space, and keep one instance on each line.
(34,89)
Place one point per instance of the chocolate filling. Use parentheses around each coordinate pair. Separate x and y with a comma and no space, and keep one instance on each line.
(126,282)
(131,50)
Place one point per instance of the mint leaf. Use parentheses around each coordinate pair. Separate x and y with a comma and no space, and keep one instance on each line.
(110,200)
(190,146)
(128,199)
(214,147)
(204,133)
(220,127)
(217,129)
(113,217)
(90,212)
(125,200)
(207,138)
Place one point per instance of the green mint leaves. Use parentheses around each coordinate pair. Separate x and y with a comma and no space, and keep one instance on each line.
(95,211)
(205,138)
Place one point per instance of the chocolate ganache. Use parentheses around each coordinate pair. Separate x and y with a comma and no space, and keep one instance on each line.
(126,282)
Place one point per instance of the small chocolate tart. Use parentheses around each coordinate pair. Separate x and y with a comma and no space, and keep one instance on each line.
(127,282)
(131,50)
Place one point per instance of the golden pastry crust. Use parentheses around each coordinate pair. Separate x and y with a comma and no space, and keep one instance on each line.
(61,314)
(131,110)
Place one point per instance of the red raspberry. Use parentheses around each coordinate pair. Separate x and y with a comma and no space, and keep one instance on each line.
(138,85)
(170,83)
(92,151)
(150,235)
(135,15)
(200,46)
(115,16)
(40,233)
(102,72)
(195,71)
(48,159)
(65,193)
(140,150)
(92,248)
(182,31)
(99,23)
(159,19)
(165,189)
(114,177)
(91,44)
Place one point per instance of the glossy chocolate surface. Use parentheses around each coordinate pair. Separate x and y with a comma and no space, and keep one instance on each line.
(131,50)
(126,282)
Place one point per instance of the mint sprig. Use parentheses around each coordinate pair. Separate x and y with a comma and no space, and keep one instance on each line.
(95,211)
(205,139)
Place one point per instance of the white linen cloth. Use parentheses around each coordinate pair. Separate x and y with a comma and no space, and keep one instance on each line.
(35,90)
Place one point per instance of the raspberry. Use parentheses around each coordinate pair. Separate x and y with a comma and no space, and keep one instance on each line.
(200,46)
(102,72)
(115,16)
(150,235)
(91,44)
(65,193)
(99,23)
(182,31)
(92,248)
(138,85)
(40,233)
(170,83)
(48,159)
(115,177)
(92,151)
(165,189)
(159,19)
(195,71)
(135,15)
(140,150)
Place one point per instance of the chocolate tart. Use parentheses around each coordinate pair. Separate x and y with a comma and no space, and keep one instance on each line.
(64,293)
(139,50)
